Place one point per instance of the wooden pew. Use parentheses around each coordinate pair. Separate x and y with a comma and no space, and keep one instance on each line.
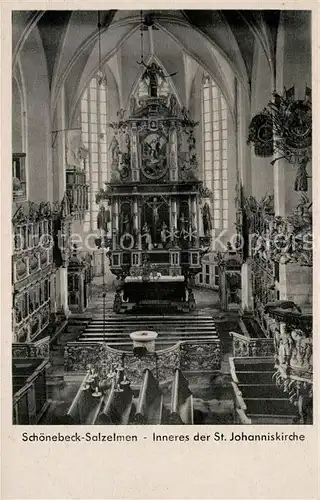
(116,407)
(30,397)
(149,407)
(181,411)
(85,406)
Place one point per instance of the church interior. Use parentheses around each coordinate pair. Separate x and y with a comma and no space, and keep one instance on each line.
(161,217)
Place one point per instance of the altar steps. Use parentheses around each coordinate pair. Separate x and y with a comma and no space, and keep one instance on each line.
(170,329)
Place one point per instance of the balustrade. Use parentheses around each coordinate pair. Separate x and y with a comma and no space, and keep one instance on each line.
(188,356)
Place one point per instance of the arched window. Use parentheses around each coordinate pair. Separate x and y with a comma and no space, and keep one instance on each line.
(94,137)
(215,139)
(19,164)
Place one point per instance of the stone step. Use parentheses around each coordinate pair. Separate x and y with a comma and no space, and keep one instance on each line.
(174,337)
(115,330)
(173,331)
(145,324)
(134,326)
(158,317)
(168,341)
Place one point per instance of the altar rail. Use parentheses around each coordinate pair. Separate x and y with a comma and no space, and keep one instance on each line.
(203,356)
(38,349)
(244,346)
(31,401)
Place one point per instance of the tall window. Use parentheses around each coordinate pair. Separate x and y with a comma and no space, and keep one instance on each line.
(214,113)
(19,173)
(94,137)
(19,178)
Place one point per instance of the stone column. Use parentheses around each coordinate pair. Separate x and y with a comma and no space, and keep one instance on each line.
(62,290)
(135,170)
(195,217)
(59,155)
(246,287)
(116,215)
(174,214)
(190,223)
(173,153)
(115,223)
(135,215)
(213,246)
(139,207)
(242,111)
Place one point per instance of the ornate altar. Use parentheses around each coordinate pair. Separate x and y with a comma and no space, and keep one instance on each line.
(79,281)
(154,197)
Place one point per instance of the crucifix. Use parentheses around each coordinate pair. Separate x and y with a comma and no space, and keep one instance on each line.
(155,205)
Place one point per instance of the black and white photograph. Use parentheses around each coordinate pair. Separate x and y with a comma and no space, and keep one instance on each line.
(162,218)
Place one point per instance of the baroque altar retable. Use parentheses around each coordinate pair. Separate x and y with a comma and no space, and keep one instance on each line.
(154,196)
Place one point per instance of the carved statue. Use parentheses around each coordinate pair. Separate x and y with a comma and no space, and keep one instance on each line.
(155,205)
(185,113)
(164,234)
(115,151)
(103,218)
(146,236)
(191,142)
(127,143)
(133,105)
(120,114)
(302,350)
(173,104)
(301,182)
(182,222)
(151,75)
(206,218)
(125,223)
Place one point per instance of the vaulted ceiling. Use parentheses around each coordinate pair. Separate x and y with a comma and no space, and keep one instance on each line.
(221,42)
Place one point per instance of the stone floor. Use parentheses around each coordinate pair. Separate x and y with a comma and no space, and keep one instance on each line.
(212,394)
